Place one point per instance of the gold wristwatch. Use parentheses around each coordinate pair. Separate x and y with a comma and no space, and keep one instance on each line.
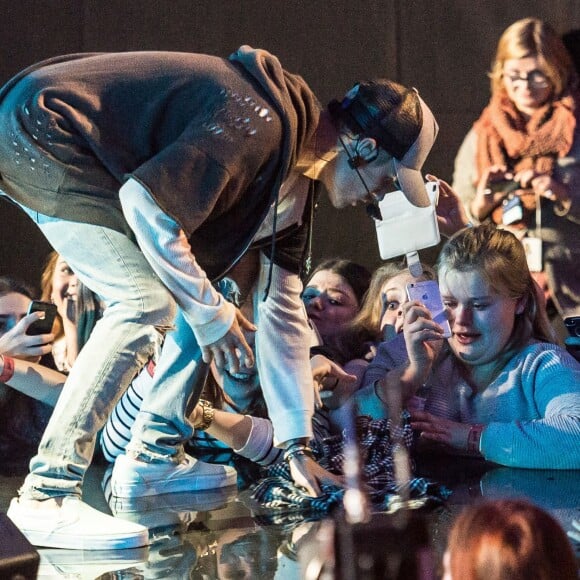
(206,416)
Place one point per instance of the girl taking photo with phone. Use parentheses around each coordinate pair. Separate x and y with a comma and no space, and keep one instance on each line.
(499,388)
(527,140)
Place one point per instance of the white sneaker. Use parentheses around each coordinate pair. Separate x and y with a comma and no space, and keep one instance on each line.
(133,478)
(77,526)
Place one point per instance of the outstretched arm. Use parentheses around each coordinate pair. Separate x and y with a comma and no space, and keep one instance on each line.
(536,424)
(217,324)
(32,379)
(283,355)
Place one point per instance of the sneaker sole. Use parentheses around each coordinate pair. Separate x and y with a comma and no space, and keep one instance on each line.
(60,557)
(192,501)
(59,563)
(56,540)
(178,485)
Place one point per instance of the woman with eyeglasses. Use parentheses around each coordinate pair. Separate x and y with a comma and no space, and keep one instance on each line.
(519,165)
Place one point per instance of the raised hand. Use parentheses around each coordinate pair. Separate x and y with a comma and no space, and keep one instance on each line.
(232,350)
(18,344)
(451,215)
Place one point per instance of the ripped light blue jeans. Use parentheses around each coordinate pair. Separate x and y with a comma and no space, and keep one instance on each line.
(139,311)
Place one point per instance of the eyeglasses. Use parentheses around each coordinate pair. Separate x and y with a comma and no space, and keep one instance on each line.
(375,196)
(536,79)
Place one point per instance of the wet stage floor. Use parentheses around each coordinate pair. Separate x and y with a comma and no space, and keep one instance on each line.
(220,534)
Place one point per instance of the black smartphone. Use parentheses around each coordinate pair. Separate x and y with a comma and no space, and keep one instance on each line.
(44,325)
(573,326)
(502,185)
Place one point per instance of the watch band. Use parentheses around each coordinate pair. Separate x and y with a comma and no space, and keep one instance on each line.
(206,416)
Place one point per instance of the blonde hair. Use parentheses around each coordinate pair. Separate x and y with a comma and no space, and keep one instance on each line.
(500,259)
(509,540)
(532,37)
(88,306)
(46,290)
(369,316)
(365,327)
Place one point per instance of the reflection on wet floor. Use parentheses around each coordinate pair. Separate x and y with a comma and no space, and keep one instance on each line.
(209,534)
(222,534)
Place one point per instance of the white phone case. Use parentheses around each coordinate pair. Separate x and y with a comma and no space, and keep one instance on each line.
(405,227)
(533,248)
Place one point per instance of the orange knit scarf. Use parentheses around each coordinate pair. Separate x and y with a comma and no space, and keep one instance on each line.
(504,137)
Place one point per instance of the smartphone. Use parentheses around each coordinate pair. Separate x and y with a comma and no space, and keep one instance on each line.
(427,292)
(504,186)
(512,210)
(44,325)
(573,326)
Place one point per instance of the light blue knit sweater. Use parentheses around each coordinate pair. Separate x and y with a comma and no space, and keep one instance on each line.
(531,410)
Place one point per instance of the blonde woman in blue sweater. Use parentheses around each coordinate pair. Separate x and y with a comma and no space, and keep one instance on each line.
(499,387)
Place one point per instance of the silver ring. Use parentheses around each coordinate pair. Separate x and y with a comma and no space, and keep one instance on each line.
(549,194)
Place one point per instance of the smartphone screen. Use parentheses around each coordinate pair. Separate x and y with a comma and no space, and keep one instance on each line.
(573,326)
(427,292)
(44,325)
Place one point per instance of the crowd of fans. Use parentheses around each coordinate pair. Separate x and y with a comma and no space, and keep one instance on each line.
(503,388)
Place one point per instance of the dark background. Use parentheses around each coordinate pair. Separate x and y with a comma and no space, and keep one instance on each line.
(443,48)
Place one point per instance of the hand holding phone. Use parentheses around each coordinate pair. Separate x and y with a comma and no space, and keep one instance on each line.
(427,292)
(43,325)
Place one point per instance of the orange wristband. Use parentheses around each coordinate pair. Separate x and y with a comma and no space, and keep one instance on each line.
(8,370)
